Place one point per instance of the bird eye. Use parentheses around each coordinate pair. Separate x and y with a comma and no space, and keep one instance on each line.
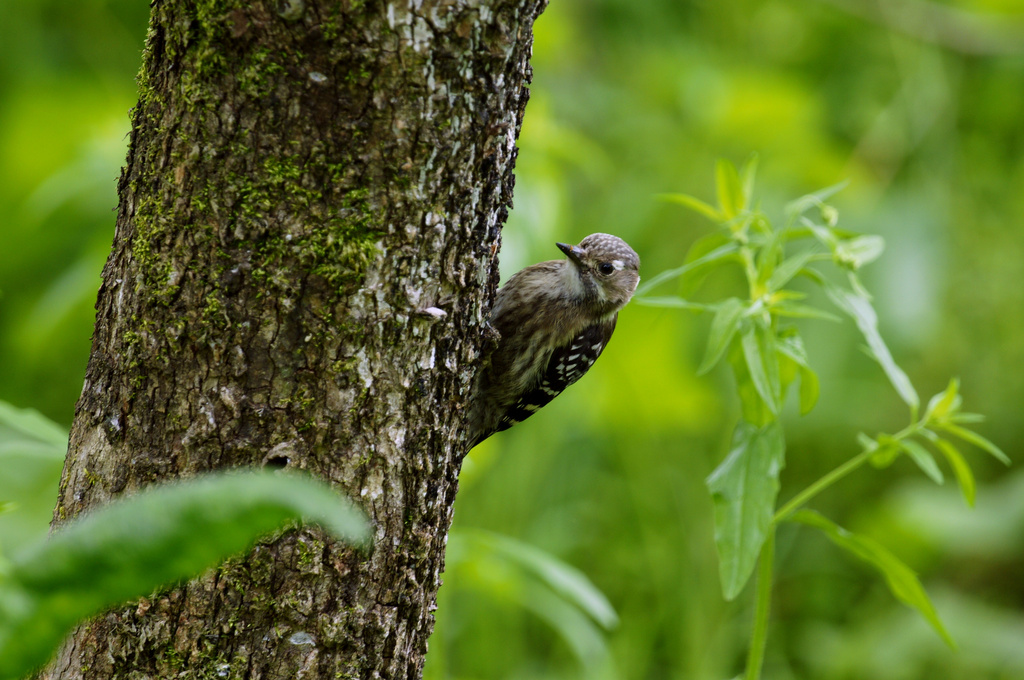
(605,268)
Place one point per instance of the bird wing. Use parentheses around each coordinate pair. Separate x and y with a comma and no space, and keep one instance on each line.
(568,363)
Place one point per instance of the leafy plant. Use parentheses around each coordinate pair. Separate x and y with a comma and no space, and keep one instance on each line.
(134,545)
(766,353)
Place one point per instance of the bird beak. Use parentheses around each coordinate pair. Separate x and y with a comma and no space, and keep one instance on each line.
(574,253)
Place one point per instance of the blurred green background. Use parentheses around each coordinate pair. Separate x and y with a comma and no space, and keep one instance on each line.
(919,105)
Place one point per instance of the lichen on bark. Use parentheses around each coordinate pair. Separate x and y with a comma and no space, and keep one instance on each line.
(304,253)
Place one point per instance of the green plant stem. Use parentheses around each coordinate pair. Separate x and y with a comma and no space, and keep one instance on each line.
(759,638)
(817,487)
(832,477)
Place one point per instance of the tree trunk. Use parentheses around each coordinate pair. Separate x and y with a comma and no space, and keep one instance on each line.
(303,257)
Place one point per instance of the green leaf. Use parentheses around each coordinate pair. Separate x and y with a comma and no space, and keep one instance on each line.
(672,302)
(134,545)
(923,459)
(769,255)
(759,353)
(29,477)
(792,347)
(744,488)
(787,296)
(796,310)
(716,255)
(859,251)
(809,390)
(863,314)
(858,287)
(562,578)
(694,204)
(32,450)
(944,403)
(976,439)
(823,234)
(901,579)
(752,405)
(730,191)
(695,276)
(723,327)
(804,203)
(584,638)
(34,425)
(795,232)
(962,471)
(961,417)
(789,268)
(501,568)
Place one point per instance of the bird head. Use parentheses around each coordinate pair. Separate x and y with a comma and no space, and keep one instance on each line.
(603,270)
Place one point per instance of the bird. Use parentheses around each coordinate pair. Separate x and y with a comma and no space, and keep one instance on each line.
(553,319)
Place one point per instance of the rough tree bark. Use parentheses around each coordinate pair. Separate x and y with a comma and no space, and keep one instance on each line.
(304,253)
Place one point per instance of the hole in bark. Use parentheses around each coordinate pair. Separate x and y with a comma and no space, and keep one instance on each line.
(277,462)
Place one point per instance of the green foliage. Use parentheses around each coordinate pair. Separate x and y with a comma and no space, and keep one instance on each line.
(20,429)
(135,545)
(857,304)
(609,477)
(745,485)
(744,488)
(32,452)
(503,568)
(560,578)
(902,581)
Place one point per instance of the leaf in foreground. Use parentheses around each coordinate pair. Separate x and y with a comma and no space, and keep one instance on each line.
(133,546)
(901,579)
(744,488)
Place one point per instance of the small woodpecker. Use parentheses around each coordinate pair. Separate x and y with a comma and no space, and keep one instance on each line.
(554,318)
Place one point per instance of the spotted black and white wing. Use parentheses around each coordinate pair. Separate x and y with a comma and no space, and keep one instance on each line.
(568,364)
